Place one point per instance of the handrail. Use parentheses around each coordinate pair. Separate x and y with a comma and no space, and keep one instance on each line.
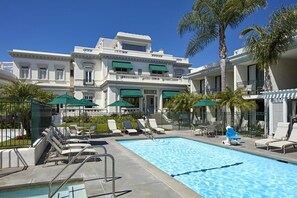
(21,158)
(73,159)
(87,159)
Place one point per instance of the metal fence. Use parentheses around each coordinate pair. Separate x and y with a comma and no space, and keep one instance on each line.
(21,122)
(247,123)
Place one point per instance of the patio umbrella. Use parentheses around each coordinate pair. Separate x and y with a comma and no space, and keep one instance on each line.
(121,103)
(66,99)
(205,103)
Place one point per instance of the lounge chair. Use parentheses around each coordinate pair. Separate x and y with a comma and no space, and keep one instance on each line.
(155,127)
(231,137)
(49,135)
(141,126)
(91,130)
(68,151)
(197,130)
(57,133)
(73,130)
(280,134)
(292,141)
(112,126)
(128,127)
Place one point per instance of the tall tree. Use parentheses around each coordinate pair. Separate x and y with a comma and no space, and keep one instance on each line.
(209,20)
(268,43)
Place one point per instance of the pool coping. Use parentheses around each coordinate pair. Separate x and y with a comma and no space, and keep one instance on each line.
(178,187)
(42,183)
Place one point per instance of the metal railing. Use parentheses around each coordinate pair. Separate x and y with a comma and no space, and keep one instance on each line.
(251,87)
(105,155)
(22,121)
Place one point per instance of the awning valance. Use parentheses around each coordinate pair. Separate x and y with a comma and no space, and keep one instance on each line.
(169,94)
(160,68)
(125,65)
(280,94)
(130,93)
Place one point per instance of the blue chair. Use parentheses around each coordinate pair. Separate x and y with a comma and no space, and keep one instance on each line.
(231,136)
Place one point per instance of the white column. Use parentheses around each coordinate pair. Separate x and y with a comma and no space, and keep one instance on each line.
(270,117)
(285,111)
(294,108)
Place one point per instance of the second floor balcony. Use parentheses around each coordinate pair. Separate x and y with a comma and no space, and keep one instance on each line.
(251,87)
(146,79)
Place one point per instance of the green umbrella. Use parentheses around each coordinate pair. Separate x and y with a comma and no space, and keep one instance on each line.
(204,103)
(121,103)
(85,102)
(66,100)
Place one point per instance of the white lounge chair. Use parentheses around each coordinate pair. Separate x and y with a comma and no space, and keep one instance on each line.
(112,126)
(155,127)
(64,139)
(292,141)
(50,137)
(91,130)
(141,126)
(280,134)
(128,127)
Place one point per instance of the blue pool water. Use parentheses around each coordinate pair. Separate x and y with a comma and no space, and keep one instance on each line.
(214,171)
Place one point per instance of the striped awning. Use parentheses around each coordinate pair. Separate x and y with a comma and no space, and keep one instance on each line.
(280,94)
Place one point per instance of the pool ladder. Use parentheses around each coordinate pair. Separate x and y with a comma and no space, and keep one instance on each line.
(105,155)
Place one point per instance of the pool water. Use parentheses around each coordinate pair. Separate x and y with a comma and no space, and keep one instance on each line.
(41,191)
(213,171)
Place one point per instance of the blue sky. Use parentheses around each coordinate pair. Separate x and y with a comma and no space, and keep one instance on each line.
(58,26)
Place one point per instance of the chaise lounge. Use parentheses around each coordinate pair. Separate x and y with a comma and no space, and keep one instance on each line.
(112,126)
(292,141)
(280,134)
(155,127)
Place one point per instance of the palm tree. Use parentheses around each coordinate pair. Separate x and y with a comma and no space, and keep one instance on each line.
(268,43)
(183,102)
(21,93)
(209,20)
(234,99)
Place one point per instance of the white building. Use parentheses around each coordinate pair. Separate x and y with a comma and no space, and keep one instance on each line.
(6,75)
(124,67)
(241,71)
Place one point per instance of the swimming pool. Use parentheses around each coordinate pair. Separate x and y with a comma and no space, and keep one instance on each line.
(213,171)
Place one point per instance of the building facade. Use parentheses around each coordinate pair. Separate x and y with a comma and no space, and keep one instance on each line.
(121,68)
(278,105)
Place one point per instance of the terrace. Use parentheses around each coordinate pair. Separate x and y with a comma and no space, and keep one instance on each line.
(134,176)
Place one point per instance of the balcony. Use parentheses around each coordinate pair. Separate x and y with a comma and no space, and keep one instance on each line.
(213,90)
(89,82)
(252,87)
(146,79)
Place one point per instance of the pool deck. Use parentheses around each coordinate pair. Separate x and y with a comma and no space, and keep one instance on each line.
(134,176)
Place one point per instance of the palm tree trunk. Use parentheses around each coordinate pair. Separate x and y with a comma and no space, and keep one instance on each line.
(223,56)
(267,83)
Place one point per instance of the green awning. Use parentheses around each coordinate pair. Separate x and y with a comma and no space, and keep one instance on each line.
(130,93)
(161,68)
(169,94)
(125,65)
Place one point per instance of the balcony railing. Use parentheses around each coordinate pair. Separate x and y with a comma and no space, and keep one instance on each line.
(89,82)
(213,90)
(146,79)
(252,87)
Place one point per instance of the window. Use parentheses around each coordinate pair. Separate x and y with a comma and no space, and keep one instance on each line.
(123,70)
(42,73)
(24,72)
(71,73)
(134,47)
(218,83)
(178,73)
(59,74)
(202,86)
(139,71)
(89,98)
(88,76)
(134,101)
(157,72)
